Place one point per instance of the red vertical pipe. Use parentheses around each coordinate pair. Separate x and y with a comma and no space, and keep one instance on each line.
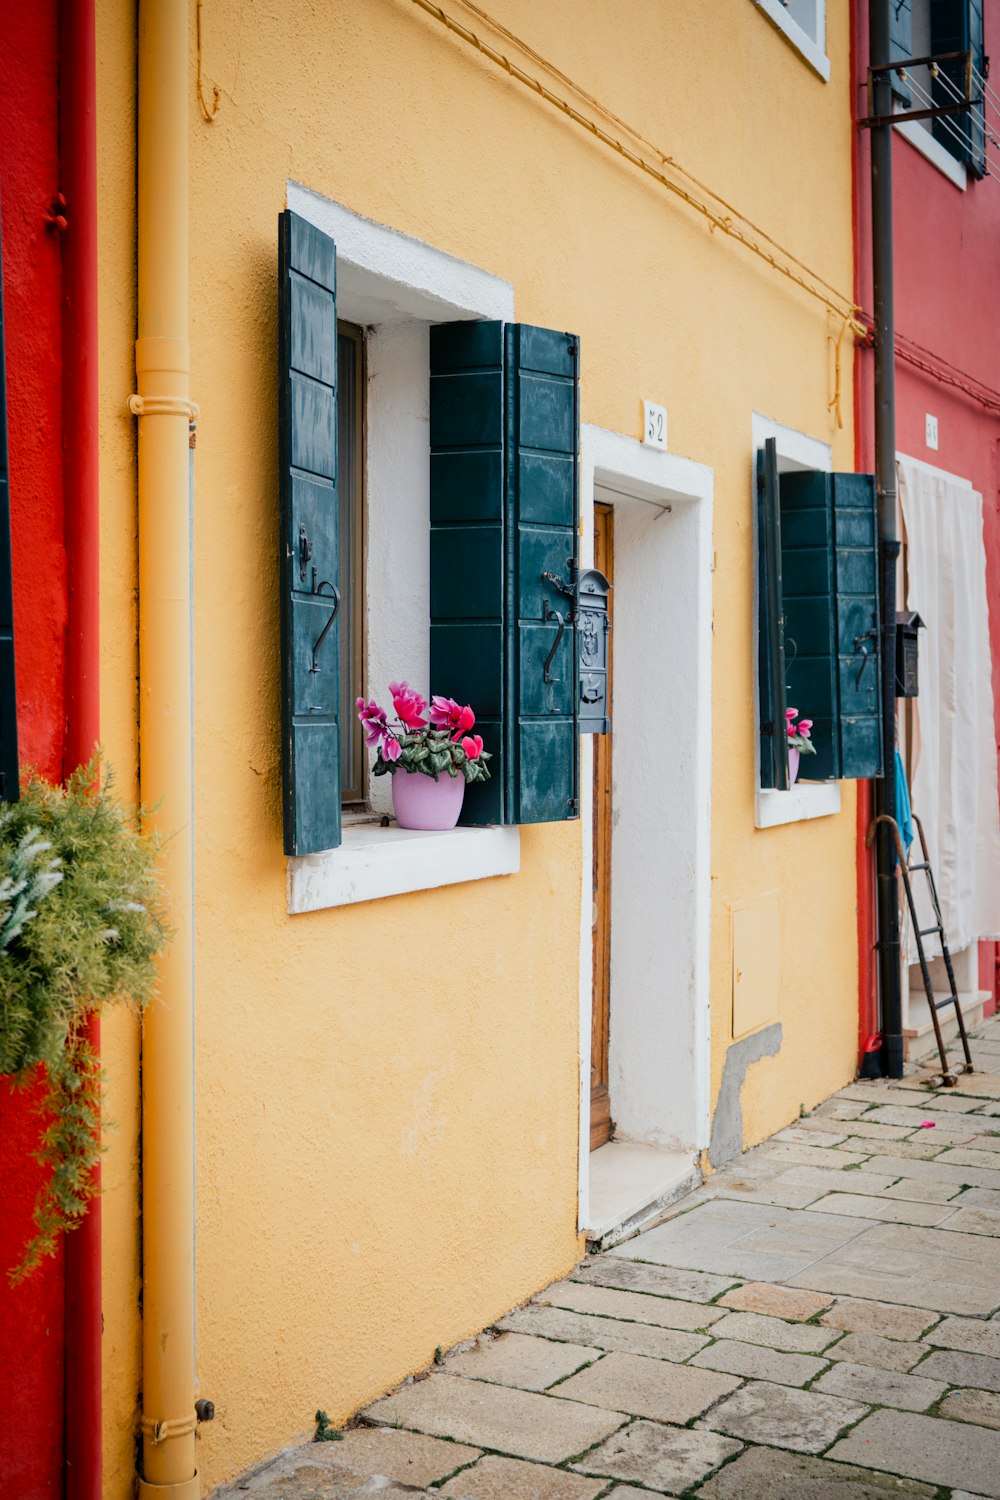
(78,163)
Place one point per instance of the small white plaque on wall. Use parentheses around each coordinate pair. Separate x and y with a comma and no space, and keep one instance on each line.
(932,431)
(654,425)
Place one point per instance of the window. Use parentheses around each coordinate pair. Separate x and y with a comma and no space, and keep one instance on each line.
(471,489)
(933,28)
(351,560)
(803,23)
(818,638)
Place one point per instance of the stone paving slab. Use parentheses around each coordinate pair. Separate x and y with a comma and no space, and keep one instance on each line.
(519,1359)
(659,1281)
(518,1423)
(967,1156)
(775,1301)
(871,1349)
(882,1318)
(960,1369)
(494,1478)
(746,1239)
(604,1333)
(781,1417)
(802,1135)
(647,1387)
(974,1221)
(304,1478)
(982,1407)
(977,1197)
(635,1306)
(862,1127)
(393,1453)
(889,1211)
(664,1458)
(937,1170)
(920,1145)
(926,1448)
(773,1333)
(756,1363)
(944,1122)
(808,1156)
(881,1387)
(971,1334)
(948,1272)
(774,1474)
(925,1190)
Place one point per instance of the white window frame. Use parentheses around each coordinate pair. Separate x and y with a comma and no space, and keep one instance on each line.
(814,51)
(796,450)
(396,287)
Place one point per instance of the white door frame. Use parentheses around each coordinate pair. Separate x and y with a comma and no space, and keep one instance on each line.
(661,902)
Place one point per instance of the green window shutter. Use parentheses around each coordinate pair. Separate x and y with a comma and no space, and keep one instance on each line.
(770,624)
(8,697)
(900,44)
(858,638)
(504,511)
(976,119)
(307,461)
(829,547)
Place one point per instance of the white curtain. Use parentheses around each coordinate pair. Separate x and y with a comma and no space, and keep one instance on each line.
(954,754)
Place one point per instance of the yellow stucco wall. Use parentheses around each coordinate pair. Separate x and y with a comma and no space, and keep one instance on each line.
(387,1094)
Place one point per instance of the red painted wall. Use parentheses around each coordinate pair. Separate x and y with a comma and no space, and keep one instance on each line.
(948,303)
(31,1315)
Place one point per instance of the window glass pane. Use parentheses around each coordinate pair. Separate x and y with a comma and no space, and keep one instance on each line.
(351,582)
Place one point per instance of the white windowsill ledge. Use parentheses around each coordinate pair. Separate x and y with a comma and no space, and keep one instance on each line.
(800,39)
(374,862)
(802,801)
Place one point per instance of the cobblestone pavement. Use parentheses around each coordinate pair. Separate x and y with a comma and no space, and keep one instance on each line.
(820,1321)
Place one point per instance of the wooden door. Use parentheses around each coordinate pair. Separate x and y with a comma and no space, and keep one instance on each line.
(600,1101)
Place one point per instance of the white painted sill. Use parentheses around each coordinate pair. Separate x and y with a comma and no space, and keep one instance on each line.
(374,862)
(800,40)
(797,805)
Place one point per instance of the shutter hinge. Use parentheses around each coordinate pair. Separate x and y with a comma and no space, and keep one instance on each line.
(573,804)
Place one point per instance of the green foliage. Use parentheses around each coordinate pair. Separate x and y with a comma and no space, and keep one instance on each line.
(324,1432)
(434,752)
(81,922)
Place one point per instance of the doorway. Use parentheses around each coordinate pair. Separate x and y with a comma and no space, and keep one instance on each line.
(600,1097)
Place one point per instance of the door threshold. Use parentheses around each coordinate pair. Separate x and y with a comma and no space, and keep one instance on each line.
(630,1185)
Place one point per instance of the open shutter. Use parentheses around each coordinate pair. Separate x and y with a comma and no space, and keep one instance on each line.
(859,672)
(957,26)
(770,623)
(504,504)
(8,698)
(829,545)
(542,500)
(307,459)
(900,44)
(977,115)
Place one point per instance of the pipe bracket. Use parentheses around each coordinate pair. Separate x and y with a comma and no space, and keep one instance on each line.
(163,406)
(174,1427)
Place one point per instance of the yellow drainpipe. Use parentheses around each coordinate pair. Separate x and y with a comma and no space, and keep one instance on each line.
(163,408)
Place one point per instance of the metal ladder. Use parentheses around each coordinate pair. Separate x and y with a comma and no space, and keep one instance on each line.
(948,1078)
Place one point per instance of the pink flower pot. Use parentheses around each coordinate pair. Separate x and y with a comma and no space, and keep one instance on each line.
(793,764)
(421,802)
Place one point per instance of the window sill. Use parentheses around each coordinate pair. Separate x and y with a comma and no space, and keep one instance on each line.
(799,803)
(922,140)
(800,40)
(374,862)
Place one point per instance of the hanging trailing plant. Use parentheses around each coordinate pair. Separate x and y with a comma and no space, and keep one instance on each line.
(81,922)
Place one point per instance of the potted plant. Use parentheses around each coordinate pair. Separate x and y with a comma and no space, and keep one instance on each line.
(429,759)
(799,741)
(81,922)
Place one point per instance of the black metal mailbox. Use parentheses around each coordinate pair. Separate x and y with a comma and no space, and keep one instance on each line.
(593,624)
(908,622)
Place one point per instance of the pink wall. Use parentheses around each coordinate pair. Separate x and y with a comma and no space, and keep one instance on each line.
(947,258)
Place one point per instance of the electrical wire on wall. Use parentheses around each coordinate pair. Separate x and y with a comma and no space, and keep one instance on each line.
(664,169)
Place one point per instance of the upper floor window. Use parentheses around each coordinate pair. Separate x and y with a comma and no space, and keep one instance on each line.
(935,28)
(803,22)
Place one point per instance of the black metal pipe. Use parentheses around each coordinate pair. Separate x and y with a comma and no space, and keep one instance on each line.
(885,470)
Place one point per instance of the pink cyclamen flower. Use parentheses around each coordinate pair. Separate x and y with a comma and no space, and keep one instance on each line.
(473,746)
(804,727)
(373,721)
(408,704)
(447,714)
(391,748)
(791,713)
